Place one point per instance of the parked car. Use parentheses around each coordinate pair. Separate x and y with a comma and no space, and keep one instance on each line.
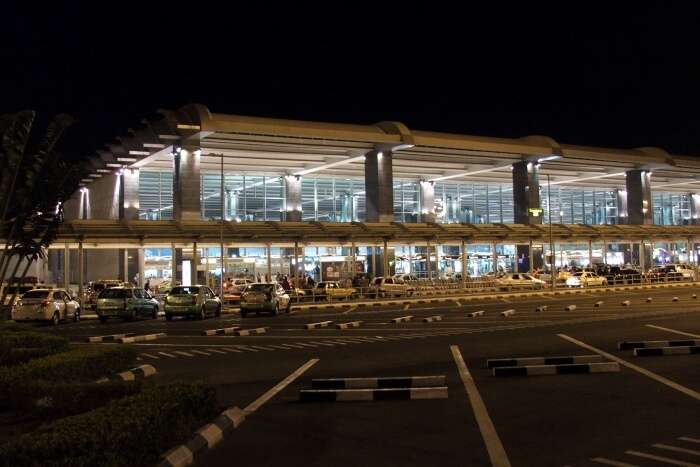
(387,286)
(127,303)
(406,277)
(51,305)
(616,275)
(330,290)
(585,279)
(666,273)
(94,289)
(239,285)
(519,280)
(264,297)
(687,271)
(192,300)
(17,291)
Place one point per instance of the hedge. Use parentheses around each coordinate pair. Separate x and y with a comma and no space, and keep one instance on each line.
(133,431)
(20,346)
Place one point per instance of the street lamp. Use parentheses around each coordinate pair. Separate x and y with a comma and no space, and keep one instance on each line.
(551,240)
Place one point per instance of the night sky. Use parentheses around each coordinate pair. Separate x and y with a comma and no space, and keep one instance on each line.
(587,74)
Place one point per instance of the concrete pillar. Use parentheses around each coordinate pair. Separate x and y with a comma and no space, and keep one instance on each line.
(66,267)
(639,208)
(605,252)
(187,184)
(590,253)
(269,263)
(410,259)
(374,261)
(129,195)
(296,263)
(81,272)
(526,193)
(426,201)
(621,199)
(142,266)
(642,256)
(353,258)
(494,258)
(292,197)
(531,261)
(386,271)
(379,186)
(125,264)
(428,262)
(465,273)
(173,264)
(193,264)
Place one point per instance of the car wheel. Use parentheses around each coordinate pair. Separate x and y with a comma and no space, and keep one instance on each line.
(76,316)
(56,318)
(168,317)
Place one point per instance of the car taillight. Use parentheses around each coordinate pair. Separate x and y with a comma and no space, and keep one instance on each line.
(45,303)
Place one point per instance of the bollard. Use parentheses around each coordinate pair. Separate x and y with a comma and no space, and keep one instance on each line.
(695,296)
(541,308)
(626,303)
(649,299)
(570,308)
(508,312)
(675,299)
(474,314)
(597,304)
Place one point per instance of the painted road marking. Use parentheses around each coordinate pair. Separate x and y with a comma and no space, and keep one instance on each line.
(673,331)
(665,460)
(603,460)
(150,356)
(167,354)
(200,352)
(495,449)
(231,349)
(352,308)
(216,351)
(692,452)
(180,352)
(255,405)
(649,374)
(690,440)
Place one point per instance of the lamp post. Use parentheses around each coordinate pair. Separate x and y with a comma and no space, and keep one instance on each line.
(551,240)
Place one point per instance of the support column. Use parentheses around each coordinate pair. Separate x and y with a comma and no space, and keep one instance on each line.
(386,272)
(590,253)
(193,264)
(639,208)
(296,263)
(426,201)
(129,195)
(187,184)
(410,259)
(531,258)
(465,273)
(66,267)
(142,266)
(642,256)
(125,264)
(494,258)
(438,248)
(353,258)
(374,261)
(292,197)
(173,265)
(527,208)
(379,186)
(605,252)
(694,201)
(269,263)
(81,272)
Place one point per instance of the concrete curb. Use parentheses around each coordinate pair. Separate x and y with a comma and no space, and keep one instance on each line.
(322,324)
(474,314)
(629,345)
(140,372)
(402,319)
(430,319)
(145,337)
(685,350)
(205,438)
(109,338)
(379,383)
(506,313)
(598,304)
(542,370)
(570,308)
(529,361)
(343,395)
(248,332)
(220,331)
(352,324)
(626,303)
(541,308)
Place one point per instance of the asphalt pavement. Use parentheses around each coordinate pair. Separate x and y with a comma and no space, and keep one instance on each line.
(645,413)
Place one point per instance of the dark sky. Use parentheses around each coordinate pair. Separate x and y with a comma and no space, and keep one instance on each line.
(586,73)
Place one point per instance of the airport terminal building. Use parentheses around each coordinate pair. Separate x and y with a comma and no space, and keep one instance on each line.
(195,193)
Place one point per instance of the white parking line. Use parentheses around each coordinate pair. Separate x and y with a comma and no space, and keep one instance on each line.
(687,391)
(167,354)
(692,452)
(150,356)
(690,440)
(255,405)
(200,352)
(661,328)
(665,460)
(603,460)
(495,449)
(230,349)
(180,352)
(216,351)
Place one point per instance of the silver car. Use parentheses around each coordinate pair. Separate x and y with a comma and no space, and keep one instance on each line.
(50,305)
(267,297)
(192,300)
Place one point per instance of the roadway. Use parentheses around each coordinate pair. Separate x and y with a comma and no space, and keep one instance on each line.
(633,417)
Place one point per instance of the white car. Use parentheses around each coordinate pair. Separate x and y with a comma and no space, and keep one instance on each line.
(585,279)
(387,286)
(686,270)
(52,305)
(239,285)
(520,280)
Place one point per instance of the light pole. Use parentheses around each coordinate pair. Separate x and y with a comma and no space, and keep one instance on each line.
(551,240)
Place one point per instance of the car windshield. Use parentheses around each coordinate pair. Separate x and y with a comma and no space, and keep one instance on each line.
(184,291)
(36,294)
(115,293)
(259,288)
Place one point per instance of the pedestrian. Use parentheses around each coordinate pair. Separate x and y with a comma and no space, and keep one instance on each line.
(147,285)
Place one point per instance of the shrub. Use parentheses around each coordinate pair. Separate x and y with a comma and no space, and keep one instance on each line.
(21,346)
(133,431)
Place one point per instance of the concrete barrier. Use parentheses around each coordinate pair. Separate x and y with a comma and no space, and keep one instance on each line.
(675,299)
(321,324)
(598,304)
(248,332)
(402,319)
(343,395)
(352,324)
(220,331)
(510,312)
(570,308)
(649,352)
(431,319)
(140,372)
(529,361)
(142,338)
(649,299)
(626,303)
(542,370)
(379,383)
(474,314)
(694,295)
(109,338)
(541,308)
(629,345)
